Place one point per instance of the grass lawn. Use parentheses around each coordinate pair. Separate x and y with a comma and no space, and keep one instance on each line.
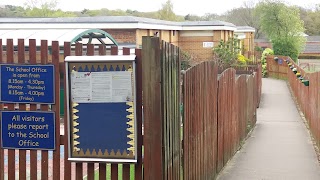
(96,174)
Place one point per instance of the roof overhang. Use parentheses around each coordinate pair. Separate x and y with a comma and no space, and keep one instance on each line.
(126,25)
(84,36)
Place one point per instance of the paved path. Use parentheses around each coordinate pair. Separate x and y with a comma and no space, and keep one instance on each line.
(280,146)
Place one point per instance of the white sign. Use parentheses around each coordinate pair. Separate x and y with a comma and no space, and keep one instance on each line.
(91,87)
(207,44)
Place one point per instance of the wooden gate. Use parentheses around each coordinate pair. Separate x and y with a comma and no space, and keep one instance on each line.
(44,164)
(161,97)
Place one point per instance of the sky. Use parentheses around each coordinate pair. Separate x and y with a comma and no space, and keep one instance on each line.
(181,7)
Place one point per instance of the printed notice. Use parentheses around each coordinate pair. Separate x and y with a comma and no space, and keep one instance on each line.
(27,130)
(95,87)
(27,83)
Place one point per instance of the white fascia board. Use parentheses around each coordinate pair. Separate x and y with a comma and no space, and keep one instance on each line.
(69,26)
(244,31)
(217,28)
(158,26)
(134,25)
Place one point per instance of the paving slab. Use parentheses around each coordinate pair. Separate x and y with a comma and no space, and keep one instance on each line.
(280,146)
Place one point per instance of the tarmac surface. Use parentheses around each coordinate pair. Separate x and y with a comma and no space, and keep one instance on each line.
(280,146)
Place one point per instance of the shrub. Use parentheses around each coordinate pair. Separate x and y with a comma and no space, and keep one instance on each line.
(186,60)
(287,47)
(242,60)
(265,53)
(226,53)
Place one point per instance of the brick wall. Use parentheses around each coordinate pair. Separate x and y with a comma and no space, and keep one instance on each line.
(194,47)
(123,35)
(166,35)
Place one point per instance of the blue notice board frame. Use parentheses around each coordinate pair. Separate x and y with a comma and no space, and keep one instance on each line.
(101,131)
(28,130)
(34,84)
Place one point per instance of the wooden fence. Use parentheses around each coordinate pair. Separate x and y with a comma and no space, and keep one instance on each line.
(161,94)
(308,97)
(277,69)
(44,164)
(219,111)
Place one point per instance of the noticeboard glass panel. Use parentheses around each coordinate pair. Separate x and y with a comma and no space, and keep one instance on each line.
(101,110)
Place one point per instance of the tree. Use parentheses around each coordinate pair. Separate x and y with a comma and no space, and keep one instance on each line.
(210,17)
(45,8)
(244,16)
(226,53)
(311,20)
(283,26)
(166,12)
(40,8)
(191,17)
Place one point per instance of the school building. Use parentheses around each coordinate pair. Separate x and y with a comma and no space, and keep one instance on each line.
(196,38)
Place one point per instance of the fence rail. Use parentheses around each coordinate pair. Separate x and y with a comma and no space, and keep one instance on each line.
(44,164)
(219,111)
(306,94)
(308,97)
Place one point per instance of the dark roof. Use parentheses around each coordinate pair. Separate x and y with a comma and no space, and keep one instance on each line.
(113,19)
(206,23)
(312,48)
(313,38)
(245,28)
(261,40)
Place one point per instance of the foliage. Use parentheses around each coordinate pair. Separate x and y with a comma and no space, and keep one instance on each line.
(226,53)
(38,8)
(258,48)
(242,60)
(186,59)
(242,16)
(311,18)
(265,53)
(283,26)
(166,12)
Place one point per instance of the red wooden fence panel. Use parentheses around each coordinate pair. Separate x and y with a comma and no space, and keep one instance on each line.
(200,121)
(58,167)
(1,108)
(308,97)
(217,112)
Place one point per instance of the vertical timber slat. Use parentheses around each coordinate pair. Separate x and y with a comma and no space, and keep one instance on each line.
(102,166)
(33,107)
(114,167)
(1,108)
(126,167)
(153,167)
(11,152)
(56,108)
(90,167)
(44,154)
(22,107)
(79,166)
(138,166)
(67,164)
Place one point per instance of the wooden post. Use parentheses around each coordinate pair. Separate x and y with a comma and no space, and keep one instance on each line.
(151,86)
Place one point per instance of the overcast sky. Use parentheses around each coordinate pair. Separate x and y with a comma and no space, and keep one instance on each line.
(181,7)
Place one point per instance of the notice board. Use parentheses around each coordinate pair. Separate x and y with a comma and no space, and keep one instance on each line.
(27,83)
(27,130)
(101,100)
